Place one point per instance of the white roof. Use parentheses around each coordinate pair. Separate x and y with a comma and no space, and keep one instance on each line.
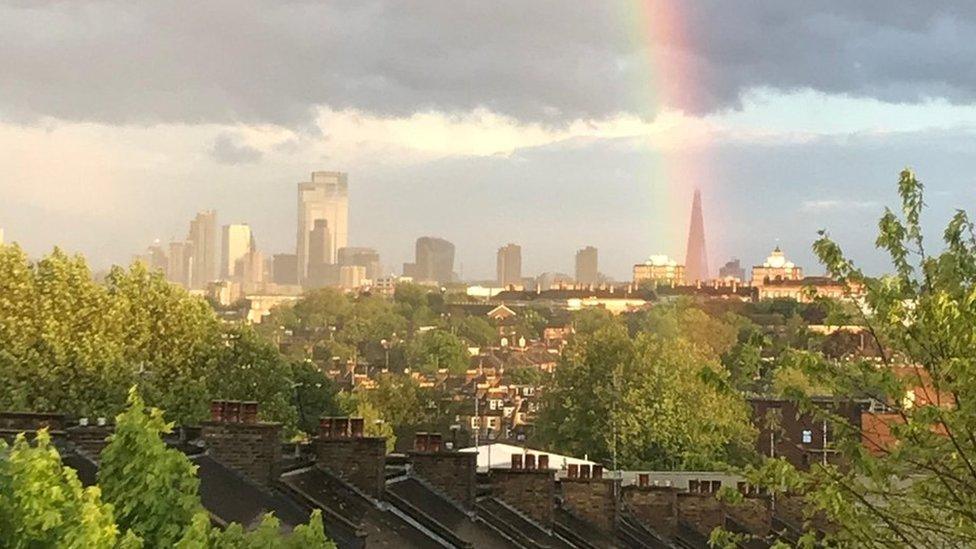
(501,456)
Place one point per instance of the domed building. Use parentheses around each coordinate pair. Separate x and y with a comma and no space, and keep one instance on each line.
(775,268)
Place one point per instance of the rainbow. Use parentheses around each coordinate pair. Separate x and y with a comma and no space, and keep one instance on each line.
(666,82)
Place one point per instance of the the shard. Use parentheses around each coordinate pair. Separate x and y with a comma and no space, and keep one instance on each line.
(696,260)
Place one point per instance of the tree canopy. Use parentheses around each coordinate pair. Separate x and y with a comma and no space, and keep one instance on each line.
(915,487)
(651,401)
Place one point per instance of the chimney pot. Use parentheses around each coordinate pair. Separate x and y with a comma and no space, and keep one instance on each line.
(249,412)
(543,461)
(232,411)
(420,442)
(325,427)
(573,471)
(217,410)
(530,461)
(516,462)
(357,426)
(584,471)
(597,471)
(340,427)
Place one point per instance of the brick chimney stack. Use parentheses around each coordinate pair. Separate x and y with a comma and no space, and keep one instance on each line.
(451,472)
(343,449)
(235,438)
(529,485)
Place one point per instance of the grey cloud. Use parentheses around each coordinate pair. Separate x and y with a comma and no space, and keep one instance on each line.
(228,149)
(551,61)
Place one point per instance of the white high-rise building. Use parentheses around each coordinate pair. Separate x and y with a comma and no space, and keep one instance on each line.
(326,197)
(236,244)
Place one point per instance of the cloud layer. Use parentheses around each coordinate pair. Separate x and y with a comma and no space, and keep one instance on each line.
(270,62)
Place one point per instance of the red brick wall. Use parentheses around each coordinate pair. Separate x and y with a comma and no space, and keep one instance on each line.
(592,499)
(252,449)
(453,473)
(359,461)
(532,492)
(655,506)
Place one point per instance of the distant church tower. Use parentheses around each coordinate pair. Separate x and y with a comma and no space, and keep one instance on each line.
(696,260)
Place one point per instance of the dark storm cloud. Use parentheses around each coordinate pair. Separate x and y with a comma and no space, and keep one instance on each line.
(551,61)
(228,149)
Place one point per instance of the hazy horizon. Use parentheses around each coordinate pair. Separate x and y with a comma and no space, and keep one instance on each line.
(549,127)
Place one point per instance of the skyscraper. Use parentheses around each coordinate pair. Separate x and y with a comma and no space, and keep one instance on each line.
(236,244)
(732,270)
(586,266)
(203,249)
(367,258)
(696,261)
(434,260)
(284,269)
(509,265)
(320,244)
(179,263)
(326,197)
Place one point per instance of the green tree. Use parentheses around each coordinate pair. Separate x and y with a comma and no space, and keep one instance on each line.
(42,502)
(476,330)
(153,488)
(435,349)
(651,402)
(375,423)
(249,367)
(919,489)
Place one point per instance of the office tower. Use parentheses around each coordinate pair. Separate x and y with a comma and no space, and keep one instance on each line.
(326,197)
(434,260)
(235,245)
(586,266)
(732,270)
(320,244)
(203,247)
(284,269)
(367,258)
(696,261)
(156,257)
(179,262)
(250,270)
(352,276)
(509,265)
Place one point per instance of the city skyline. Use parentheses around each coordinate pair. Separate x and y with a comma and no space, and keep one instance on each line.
(604,150)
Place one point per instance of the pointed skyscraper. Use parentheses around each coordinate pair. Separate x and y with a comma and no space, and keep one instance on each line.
(696,260)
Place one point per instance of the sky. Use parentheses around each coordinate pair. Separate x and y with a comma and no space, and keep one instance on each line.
(552,124)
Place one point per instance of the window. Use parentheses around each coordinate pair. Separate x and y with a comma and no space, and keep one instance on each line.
(807,436)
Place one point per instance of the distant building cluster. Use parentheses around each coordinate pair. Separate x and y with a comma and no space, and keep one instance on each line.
(225,263)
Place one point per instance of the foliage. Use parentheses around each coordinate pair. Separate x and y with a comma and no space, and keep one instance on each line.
(147,488)
(476,330)
(153,488)
(919,488)
(375,422)
(42,502)
(525,375)
(436,349)
(70,344)
(690,323)
(651,401)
